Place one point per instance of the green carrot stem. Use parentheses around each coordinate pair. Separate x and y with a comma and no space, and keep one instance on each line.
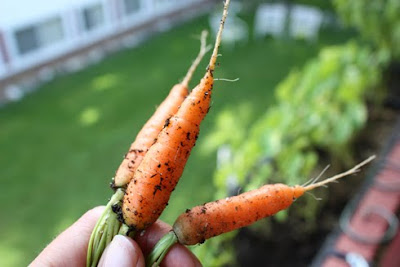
(99,250)
(114,229)
(105,229)
(162,247)
(124,229)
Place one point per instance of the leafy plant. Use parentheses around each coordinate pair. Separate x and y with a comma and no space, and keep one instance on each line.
(377,20)
(320,107)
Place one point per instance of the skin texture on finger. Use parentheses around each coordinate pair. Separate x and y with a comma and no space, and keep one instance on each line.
(122,252)
(70,247)
(178,255)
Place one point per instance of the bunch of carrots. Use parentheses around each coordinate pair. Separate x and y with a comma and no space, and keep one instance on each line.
(154,163)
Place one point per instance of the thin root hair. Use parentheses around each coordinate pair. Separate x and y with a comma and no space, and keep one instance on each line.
(353,170)
(316,198)
(314,180)
(238,191)
(226,80)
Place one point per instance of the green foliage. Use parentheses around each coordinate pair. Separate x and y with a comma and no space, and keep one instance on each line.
(377,20)
(327,96)
(320,107)
(230,127)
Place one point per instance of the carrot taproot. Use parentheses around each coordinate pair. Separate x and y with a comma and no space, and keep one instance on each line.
(225,215)
(221,216)
(148,134)
(155,178)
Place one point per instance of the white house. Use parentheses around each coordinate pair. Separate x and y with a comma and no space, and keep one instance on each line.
(304,21)
(33,34)
(270,19)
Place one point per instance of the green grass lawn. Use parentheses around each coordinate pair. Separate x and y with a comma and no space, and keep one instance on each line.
(61,145)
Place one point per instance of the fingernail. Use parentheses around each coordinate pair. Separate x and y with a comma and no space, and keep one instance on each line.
(121,252)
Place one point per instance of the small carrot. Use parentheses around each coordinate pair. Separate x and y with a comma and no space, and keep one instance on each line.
(221,216)
(149,191)
(225,215)
(148,135)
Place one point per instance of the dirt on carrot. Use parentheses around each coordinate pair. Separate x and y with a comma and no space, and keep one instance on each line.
(225,215)
(156,177)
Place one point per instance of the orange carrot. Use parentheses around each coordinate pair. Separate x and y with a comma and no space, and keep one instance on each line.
(148,135)
(221,216)
(156,177)
(225,215)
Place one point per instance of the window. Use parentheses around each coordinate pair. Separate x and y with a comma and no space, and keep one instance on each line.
(50,31)
(131,6)
(93,17)
(42,34)
(27,40)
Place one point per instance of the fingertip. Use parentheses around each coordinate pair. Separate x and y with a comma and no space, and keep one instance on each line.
(180,255)
(124,252)
(148,238)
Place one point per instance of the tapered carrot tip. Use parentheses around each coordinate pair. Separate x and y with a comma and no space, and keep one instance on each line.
(214,55)
(203,50)
(353,170)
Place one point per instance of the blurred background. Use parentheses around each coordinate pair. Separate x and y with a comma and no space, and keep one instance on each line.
(318,84)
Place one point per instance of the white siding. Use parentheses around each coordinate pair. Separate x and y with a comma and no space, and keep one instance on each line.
(53,27)
(35,32)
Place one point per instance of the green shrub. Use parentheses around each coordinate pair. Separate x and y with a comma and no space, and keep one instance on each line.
(377,20)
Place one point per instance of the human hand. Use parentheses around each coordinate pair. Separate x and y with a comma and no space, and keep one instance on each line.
(70,247)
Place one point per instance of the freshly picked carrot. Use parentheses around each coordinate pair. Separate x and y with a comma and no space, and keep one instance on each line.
(110,221)
(212,219)
(155,178)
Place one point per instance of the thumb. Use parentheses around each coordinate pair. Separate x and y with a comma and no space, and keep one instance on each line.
(122,251)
